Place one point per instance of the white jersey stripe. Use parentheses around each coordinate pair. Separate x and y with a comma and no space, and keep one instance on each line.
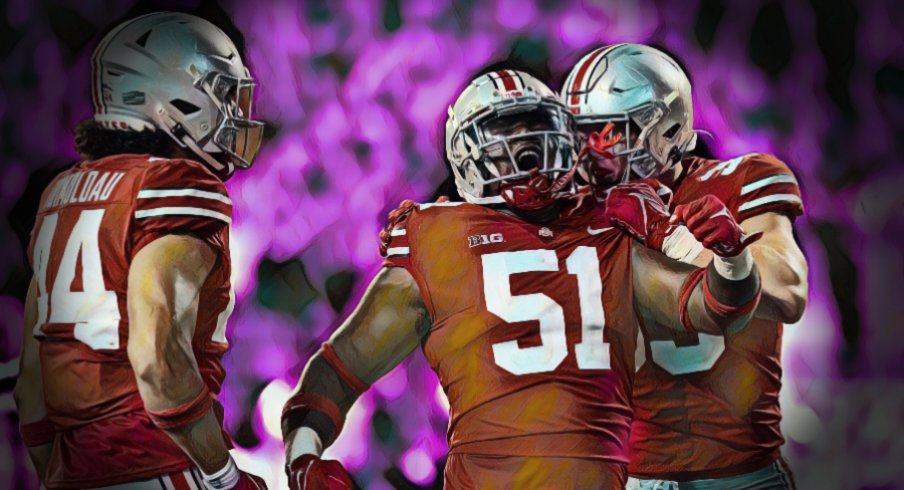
(155,193)
(773,179)
(398,232)
(450,204)
(190,479)
(394,251)
(769,200)
(181,211)
(167,482)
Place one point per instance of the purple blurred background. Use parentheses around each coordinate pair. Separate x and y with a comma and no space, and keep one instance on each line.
(356,92)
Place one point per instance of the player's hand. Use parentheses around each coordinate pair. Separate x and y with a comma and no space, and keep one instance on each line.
(247,481)
(713,225)
(638,209)
(600,143)
(309,472)
(603,169)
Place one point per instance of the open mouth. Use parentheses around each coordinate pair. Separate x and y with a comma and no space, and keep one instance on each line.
(528,157)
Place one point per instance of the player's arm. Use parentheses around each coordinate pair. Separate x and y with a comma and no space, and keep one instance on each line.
(182,213)
(37,431)
(720,297)
(165,280)
(386,327)
(782,266)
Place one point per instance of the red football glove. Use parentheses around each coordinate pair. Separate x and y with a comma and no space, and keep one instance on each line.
(602,168)
(713,225)
(309,472)
(638,209)
(599,143)
(247,481)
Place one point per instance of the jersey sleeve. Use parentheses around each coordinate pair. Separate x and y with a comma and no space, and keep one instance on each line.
(768,185)
(181,197)
(402,251)
(398,249)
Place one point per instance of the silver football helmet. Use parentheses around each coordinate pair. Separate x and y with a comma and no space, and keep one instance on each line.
(645,93)
(506,133)
(179,74)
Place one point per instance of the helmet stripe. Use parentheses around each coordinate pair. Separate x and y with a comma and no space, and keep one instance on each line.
(589,66)
(507,80)
(519,82)
(579,77)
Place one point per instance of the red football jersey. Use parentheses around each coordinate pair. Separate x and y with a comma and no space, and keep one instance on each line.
(92,219)
(711,409)
(533,336)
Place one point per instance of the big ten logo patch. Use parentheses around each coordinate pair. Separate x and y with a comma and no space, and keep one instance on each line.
(476,240)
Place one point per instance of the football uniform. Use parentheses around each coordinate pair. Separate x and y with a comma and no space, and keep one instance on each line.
(533,338)
(92,220)
(710,408)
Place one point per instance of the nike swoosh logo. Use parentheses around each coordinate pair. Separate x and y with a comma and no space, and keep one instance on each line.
(598,231)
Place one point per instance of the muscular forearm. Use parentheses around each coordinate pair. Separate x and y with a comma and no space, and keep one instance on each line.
(314,415)
(177,400)
(726,295)
(203,442)
(385,327)
(783,272)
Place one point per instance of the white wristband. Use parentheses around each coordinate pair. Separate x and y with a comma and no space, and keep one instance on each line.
(734,268)
(223,479)
(681,245)
(303,441)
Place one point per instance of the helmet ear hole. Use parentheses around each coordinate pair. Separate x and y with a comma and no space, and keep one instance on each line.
(672,131)
(185,107)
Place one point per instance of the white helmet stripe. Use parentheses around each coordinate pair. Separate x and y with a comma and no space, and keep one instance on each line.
(495,79)
(590,78)
(580,79)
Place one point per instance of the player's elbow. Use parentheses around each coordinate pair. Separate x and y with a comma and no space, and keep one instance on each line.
(792,304)
(785,285)
(790,295)
(20,393)
(26,392)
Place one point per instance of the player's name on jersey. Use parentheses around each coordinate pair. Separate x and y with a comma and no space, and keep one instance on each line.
(80,187)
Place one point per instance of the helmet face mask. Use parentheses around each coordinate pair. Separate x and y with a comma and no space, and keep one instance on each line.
(648,98)
(632,153)
(236,134)
(178,74)
(498,140)
(516,146)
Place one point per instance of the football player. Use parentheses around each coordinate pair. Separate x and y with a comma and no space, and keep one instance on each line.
(126,312)
(706,409)
(522,303)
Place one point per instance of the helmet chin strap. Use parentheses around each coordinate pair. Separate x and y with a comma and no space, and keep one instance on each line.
(218,167)
(538,192)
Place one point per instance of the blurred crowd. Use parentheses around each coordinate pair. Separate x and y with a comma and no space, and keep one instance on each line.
(355,94)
